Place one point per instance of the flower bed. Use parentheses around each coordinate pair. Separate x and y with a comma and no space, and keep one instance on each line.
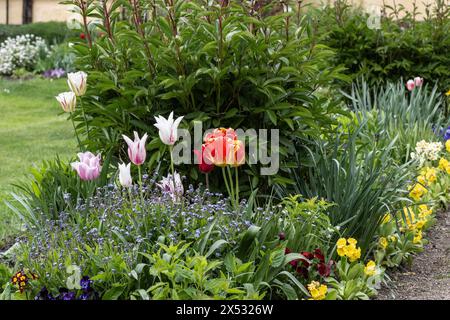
(129,220)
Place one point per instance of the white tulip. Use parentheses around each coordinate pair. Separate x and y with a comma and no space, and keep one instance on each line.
(168,128)
(67,100)
(77,82)
(125,175)
(172,185)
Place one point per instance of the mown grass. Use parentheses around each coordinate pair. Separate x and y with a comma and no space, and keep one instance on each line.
(32,129)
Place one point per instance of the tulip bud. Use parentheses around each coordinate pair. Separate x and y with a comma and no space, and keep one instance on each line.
(125,175)
(77,82)
(136,148)
(410,85)
(418,81)
(67,100)
(168,128)
(88,168)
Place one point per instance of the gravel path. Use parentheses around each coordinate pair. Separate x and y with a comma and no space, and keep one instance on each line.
(429,276)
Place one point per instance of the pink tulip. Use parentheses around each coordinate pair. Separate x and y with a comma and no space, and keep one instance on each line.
(88,168)
(136,148)
(410,85)
(418,81)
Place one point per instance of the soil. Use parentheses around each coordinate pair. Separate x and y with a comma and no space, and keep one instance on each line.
(428,278)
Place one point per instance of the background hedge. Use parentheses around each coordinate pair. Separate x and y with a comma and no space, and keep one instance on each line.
(53,32)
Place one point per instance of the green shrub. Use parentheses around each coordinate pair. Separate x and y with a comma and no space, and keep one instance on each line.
(364,182)
(391,112)
(52,32)
(405,46)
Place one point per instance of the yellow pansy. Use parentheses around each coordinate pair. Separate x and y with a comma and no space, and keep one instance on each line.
(430,175)
(422,180)
(383,242)
(447,145)
(447,93)
(371,268)
(417,191)
(443,164)
(352,241)
(349,250)
(318,291)
(424,211)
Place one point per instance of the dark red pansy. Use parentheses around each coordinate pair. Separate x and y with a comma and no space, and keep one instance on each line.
(281,236)
(324,269)
(82,36)
(303,272)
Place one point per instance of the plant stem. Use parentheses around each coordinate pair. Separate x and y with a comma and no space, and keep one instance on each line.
(207,180)
(226,181)
(175,191)
(141,195)
(233,197)
(76,133)
(237,188)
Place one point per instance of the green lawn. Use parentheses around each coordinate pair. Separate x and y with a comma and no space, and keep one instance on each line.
(32,129)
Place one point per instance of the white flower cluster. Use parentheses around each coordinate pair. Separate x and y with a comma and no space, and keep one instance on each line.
(22,51)
(427,151)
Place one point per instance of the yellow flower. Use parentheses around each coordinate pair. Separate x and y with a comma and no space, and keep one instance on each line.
(422,180)
(386,218)
(443,164)
(318,291)
(447,93)
(371,268)
(383,242)
(392,238)
(424,211)
(418,237)
(349,250)
(353,253)
(417,191)
(430,175)
(341,244)
(447,145)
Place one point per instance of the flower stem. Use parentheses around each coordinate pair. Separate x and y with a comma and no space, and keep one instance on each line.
(141,194)
(85,119)
(237,187)
(173,172)
(226,181)
(76,133)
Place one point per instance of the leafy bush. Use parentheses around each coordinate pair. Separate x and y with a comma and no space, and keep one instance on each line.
(59,57)
(52,32)
(404,47)
(214,62)
(391,112)
(364,182)
(21,52)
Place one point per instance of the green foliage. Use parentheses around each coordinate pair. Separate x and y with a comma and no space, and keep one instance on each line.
(407,45)
(60,56)
(52,32)
(181,276)
(363,181)
(218,65)
(54,186)
(391,112)
(353,284)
